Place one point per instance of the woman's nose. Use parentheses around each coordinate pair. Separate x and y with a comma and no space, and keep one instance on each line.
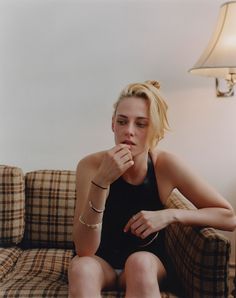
(130,129)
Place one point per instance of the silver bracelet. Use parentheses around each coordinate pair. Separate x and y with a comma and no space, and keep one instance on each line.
(90,226)
(149,242)
(95,209)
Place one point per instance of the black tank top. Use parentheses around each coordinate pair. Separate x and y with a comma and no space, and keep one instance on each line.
(124,201)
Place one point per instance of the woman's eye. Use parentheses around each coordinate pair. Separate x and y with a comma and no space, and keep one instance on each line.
(121,122)
(141,125)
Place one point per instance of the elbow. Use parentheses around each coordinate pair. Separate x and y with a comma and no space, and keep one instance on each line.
(84,246)
(82,249)
(226,221)
(231,221)
(84,252)
(233,224)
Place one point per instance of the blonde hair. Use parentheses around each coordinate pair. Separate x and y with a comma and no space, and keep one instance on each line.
(149,91)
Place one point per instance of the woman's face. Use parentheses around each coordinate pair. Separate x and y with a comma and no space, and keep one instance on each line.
(131,123)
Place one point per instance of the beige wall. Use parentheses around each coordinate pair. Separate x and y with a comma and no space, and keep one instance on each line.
(62,66)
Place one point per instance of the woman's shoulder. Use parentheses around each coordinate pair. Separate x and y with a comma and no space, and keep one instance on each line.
(167,163)
(91,161)
(163,158)
(170,165)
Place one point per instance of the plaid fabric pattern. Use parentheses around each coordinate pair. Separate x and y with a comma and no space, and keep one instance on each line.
(38,273)
(43,273)
(8,257)
(12,205)
(50,203)
(39,268)
(200,256)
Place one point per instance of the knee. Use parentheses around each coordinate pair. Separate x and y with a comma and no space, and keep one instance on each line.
(82,268)
(140,262)
(140,270)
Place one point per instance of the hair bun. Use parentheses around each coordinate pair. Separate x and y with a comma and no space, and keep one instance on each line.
(156,84)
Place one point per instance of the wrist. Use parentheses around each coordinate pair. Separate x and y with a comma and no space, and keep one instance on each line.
(99,181)
(174,216)
(98,185)
(182,216)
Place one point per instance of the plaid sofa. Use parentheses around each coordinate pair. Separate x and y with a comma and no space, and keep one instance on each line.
(36,215)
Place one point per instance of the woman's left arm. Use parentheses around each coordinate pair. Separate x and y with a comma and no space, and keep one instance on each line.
(213,210)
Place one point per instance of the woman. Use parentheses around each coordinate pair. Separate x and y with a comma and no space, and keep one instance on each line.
(119,218)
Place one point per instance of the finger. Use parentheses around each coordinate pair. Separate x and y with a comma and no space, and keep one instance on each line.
(128,164)
(114,150)
(129,223)
(119,147)
(123,152)
(136,225)
(127,158)
(146,233)
(128,155)
(124,163)
(140,230)
(122,156)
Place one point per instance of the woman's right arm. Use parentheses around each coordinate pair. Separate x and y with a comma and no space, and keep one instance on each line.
(87,239)
(91,198)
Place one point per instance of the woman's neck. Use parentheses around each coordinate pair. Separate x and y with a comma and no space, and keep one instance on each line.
(136,174)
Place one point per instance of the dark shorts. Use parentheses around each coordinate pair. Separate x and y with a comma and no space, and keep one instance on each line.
(117,257)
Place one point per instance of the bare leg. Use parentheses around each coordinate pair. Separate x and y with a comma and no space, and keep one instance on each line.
(88,276)
(142,275)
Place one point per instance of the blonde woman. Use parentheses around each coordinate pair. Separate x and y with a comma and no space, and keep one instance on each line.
(120,222)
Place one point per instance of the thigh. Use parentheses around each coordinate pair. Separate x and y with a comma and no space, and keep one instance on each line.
(101,270)
(160,269)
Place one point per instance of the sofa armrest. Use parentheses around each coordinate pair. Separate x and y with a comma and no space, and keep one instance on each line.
(12,205)
(200,256)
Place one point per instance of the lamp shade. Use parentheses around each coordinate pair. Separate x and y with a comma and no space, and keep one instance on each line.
(219,58)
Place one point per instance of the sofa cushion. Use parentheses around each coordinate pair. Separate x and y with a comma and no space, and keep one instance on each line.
(38,273)
(12,205)
(200,254)
(50,203)
(8,258)
(43,273)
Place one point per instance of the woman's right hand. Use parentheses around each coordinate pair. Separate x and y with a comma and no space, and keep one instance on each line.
(115,162)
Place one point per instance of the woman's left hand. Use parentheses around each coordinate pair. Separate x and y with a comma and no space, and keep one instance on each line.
(145,223)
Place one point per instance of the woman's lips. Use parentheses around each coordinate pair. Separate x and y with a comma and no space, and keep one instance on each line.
(128,142)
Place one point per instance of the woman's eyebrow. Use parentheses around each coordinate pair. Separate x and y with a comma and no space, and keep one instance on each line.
(123,116)
(139,117)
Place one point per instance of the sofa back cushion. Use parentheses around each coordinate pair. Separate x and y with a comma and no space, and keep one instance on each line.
(12,205)
(50,203)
